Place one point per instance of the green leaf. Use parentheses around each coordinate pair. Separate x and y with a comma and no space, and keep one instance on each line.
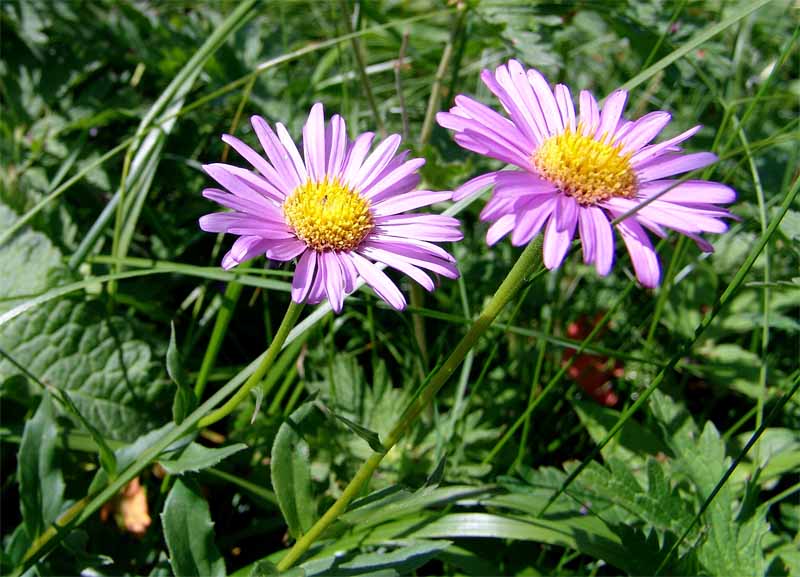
(197,457)
(107,371)
(404,559)
(41,484)
(290,467)
(107,459)
(27,259)
(189,533)
(185,400)
(266,568)
(371,437)
(129,453)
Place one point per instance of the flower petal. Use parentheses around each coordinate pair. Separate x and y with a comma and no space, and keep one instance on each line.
(556,242)
(612,112)
(410,201)
(304,276)
(678,165)
(380,283)
(643,256)
(314,143)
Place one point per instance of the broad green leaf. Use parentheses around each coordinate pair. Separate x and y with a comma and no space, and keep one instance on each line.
(27,259)
(41,484)
(197,457)
(290,467)
(98,360)
(185,400)
(189,533)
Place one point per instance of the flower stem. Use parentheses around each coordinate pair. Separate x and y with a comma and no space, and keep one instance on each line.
(526,265)
(288,322)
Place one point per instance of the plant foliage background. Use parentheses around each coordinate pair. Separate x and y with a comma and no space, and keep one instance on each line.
(112,305)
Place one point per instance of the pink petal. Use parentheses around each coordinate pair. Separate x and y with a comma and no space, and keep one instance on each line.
(379,282)
(349,272)
(276,153)
(314,143)
(609,117)
(303,276)
(410,201)
(565,106)
(643,257)
(291,149)
(223,221)
(556,243)
(376,161)
(644,130)
(356,154)
(566,212)
(689,192)
(241,204)
(650,152)
(586,232)
(286,250)
(244,249)
(276,181)
(422,232)
(334,282)
(677,165)
(338,146)
(604,241)
(590,117)
(531,217)
(501,227)
(396,261)
(386,182)
(547,101)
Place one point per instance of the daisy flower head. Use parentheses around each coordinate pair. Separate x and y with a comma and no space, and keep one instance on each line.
(339,209)
(580,170)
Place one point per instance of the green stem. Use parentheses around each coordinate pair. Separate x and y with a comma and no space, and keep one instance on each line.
(289,320)
(527,263)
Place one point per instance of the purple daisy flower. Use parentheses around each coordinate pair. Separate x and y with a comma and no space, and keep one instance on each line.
(581,171)
(339,208)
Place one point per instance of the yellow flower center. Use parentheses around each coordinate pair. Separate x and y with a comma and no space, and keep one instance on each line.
(328,215)
(586,169)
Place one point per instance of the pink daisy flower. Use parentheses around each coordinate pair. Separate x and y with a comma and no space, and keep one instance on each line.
(339,209)
(581,171)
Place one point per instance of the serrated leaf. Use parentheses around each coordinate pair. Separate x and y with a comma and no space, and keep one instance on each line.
(76,347)
(290,468)
(41,484)
(196,457)
(189,533)
(185,400)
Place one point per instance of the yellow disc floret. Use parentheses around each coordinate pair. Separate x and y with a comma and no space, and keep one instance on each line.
(328,215)
(586,169)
